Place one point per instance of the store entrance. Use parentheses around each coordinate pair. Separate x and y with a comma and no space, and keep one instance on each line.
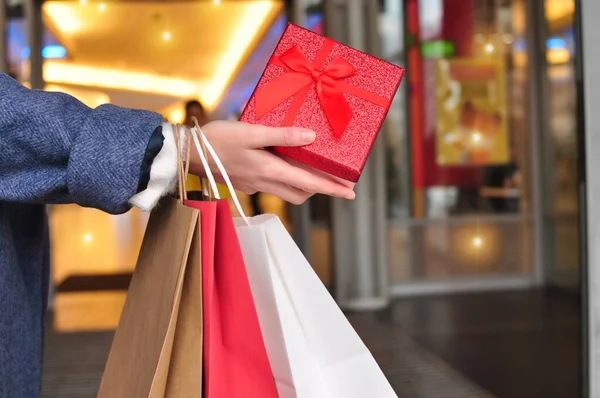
(173,56)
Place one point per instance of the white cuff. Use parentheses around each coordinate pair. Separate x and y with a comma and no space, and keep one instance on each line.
(163,173)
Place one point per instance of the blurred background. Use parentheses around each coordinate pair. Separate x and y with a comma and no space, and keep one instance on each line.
(460,262)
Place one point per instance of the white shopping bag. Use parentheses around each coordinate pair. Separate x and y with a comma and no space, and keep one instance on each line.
(313,350)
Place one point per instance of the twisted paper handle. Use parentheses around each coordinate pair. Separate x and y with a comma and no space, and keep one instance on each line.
(200,147)
(183,168)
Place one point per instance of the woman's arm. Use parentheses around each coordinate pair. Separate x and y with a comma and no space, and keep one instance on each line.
(54,149)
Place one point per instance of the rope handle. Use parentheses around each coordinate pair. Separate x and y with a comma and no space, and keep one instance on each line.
(197,132)
(183,169)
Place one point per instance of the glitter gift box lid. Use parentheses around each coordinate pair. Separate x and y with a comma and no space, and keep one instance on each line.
(341,93)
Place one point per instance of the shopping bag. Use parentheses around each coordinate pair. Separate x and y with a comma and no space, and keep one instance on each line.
(157,349)
(313,350)
(236,364)
(235,359)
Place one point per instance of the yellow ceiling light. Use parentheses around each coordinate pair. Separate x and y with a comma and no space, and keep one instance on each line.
(102,7)
(76,26)
(88,238)
(243,35)
(91,98)
(87,76)
(65,15)
(558,9)
(176,116)
(558,56)
(476,137)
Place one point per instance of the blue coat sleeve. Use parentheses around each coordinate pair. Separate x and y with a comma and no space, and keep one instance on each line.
(54,149)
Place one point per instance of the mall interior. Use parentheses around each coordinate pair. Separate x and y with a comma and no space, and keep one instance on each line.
(460,263)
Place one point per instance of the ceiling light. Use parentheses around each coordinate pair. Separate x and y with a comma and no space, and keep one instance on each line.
(558,56)
(176,116)
(88,238)
(83,2)
(64,17)
(88,76)
(166,36)
(241,38)
(476,137)
(53,52)
(489,48)
(101,7)
(478,241)
(91,98)
(216,2)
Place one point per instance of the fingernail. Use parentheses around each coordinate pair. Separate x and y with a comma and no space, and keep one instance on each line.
(351,195)
(308,136)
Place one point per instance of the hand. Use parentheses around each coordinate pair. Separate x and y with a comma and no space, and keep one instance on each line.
(252,169)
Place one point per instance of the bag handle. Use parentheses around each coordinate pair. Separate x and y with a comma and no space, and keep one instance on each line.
(200,148)
(182,171)
(197,131)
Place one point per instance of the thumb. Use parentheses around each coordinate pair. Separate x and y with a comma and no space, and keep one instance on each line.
(263,136)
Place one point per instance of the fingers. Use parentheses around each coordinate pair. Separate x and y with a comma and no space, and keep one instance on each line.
(295,163)
(264,137)
(280,171)
(287,193)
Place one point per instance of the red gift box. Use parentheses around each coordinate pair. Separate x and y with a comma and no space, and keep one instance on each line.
(340,93)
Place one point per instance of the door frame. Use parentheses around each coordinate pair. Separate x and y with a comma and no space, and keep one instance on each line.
(588,72)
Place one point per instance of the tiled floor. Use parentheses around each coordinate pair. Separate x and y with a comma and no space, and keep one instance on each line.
(504,345)
(74,361)
(513,344)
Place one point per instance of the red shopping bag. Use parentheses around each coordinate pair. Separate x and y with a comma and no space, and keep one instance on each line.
(235,359)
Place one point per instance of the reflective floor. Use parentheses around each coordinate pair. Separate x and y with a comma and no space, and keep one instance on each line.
(502,344)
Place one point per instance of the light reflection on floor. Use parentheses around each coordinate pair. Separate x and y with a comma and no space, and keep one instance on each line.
(90,311)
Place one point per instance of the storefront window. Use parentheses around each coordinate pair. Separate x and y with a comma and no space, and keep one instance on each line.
(465,142)
(466,137)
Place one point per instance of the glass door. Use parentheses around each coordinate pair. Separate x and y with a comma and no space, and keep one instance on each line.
(560,146)
(470,197)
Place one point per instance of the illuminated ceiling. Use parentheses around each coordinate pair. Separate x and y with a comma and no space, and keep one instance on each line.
(560,13)
(180,48)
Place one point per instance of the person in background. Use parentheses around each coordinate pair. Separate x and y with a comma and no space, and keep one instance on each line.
(504,176)
(194,109)
(54,150)
(255,203)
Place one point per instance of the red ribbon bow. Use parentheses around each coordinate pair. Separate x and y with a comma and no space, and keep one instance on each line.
(301,74)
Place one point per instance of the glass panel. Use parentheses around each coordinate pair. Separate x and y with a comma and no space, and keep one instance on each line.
(394,130)
(466,146)
(464,248)
(560,144)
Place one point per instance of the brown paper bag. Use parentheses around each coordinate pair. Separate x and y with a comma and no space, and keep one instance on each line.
(157,349)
